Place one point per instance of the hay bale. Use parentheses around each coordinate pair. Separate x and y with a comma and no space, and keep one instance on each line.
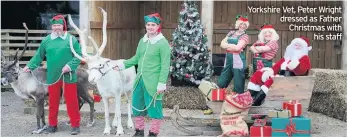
(329,94)
(185,97)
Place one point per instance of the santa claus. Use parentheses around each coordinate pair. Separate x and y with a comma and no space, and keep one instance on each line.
(259,85)
(296,61)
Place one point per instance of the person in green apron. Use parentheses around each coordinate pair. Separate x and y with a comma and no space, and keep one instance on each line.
(153,59)
(265,49)
(235,62)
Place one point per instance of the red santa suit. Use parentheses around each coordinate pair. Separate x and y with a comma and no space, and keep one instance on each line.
(261,80)
(296,59)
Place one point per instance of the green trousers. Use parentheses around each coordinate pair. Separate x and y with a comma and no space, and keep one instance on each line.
(229,73)
(141,99)
(267,63)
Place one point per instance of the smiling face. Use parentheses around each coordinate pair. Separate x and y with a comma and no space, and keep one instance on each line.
(152,27)
(58,29)
(267,35)
(242,26)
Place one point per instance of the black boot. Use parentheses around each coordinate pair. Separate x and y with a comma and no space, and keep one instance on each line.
(259,98)
(51,129)
(151,134)
(75,130)
(253,93)
(139,133)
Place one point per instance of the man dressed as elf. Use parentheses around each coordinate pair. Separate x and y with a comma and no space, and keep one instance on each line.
(153,60)
(56,48)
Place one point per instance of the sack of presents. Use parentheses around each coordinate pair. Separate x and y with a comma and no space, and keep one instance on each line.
(212,91)
(286,122)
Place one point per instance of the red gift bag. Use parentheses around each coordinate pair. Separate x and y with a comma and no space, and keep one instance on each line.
(294,107)
(218,94)
(97,98)
(260,130)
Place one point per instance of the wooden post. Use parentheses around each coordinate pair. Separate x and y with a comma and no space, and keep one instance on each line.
(344,40)
(84,22)
(207,20)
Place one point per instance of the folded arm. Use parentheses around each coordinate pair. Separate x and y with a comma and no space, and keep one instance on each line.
(243,41)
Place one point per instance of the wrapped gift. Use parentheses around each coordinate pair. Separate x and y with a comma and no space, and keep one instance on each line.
(259,129)
(294,107)
(291,127)
(279,113)
(206,88)
(218,94)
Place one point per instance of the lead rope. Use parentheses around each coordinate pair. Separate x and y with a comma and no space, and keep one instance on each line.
(61,75)
(153,100)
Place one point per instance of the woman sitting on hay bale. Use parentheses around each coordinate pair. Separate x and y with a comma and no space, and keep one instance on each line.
(265,48)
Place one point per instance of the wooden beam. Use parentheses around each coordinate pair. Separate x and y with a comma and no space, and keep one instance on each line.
(344,39)
(207,21)
(85,13)
(114,25)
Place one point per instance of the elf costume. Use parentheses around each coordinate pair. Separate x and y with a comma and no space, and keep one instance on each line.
(259,85)
(58,55)
(235,62)
(264,51)
(153,60)
(296,61)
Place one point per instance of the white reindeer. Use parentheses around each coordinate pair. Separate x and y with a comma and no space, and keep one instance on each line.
(110,83)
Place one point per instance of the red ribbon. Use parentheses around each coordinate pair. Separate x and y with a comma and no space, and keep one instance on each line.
(260,122)
(290,129)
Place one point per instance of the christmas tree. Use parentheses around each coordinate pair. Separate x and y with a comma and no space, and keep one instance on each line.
(190,55)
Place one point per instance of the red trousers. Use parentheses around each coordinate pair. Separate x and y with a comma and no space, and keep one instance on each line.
(70,94)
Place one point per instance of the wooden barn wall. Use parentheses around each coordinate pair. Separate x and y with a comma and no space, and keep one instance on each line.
(122,27)
(325,54)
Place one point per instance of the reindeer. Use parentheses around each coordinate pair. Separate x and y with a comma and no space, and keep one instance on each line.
(109,82)
(31,86)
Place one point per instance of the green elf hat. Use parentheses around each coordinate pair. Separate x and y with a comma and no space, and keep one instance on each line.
(59,19)
(154,18)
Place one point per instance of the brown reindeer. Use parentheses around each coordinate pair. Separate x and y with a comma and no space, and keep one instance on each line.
(32,85)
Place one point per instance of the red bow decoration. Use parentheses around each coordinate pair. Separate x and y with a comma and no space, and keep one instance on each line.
(259,122)
(290,129)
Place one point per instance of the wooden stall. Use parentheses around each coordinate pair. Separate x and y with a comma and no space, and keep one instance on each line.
(126,26)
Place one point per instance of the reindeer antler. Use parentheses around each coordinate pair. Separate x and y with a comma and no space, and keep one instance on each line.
(82,37)
(104,33)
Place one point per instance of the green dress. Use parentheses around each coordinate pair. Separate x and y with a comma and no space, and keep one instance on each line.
(58,54)
(153,59)
(235,65)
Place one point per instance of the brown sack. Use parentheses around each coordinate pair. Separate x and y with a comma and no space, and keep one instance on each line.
(234,110)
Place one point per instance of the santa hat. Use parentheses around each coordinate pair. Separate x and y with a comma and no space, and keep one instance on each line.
(303,41)
(260,77)
(59,19)
(154,18)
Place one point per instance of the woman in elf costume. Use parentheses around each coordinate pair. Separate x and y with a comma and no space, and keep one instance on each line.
(235,62)
(153,60)
(56,48)
(265,48)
